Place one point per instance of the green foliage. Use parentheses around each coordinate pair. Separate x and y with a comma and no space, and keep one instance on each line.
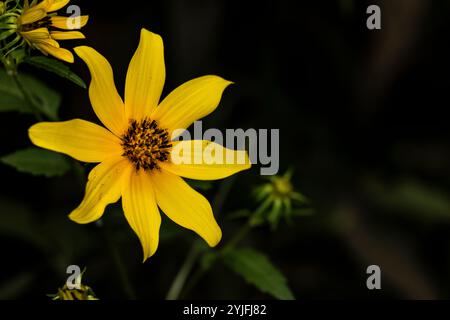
(55,67)
(412,197)
(38,162)
(11,98)
(39,97)
(44,99)
(257,269)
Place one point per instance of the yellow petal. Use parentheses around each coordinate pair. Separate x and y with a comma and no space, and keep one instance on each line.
(105,100)
(60,53)
(32,15)
(68,23)
(145,77)
(55,5)
(205,160)
(189,102)
(67,35)
(141,211)
(80,139)
(185,206)
(41,39)
(104,186)
(44,4)
(39,36)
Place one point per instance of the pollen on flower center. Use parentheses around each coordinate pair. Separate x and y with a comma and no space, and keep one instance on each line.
(145,144)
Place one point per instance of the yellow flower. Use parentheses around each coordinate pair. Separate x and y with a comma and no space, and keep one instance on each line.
(136,153)
(41,29)
(64,293)
(81,292)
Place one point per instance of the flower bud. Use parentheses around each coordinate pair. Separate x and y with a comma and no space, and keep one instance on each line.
(277,199)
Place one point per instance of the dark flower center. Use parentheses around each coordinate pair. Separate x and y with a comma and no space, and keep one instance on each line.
(43,23)
(145,144)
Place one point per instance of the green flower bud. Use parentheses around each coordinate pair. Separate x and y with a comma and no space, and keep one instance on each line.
(2,8)
(277,199)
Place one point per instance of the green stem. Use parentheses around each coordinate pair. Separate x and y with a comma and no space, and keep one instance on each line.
(239,235)
(195,278)
(26,96)
(120,266)
(183,273)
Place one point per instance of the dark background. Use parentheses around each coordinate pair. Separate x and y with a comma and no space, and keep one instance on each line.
(362,120)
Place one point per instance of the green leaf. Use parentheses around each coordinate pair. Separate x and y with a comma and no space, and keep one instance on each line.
(256,269)
(55,67)
(411,198)
(38,162)
(46,100)
(11,99)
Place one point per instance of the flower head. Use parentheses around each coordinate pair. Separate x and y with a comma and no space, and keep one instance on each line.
(81,292)
(38,26)
(137,150)
(84,293)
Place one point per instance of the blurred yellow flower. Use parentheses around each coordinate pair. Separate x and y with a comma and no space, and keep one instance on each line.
(135,153)
(36,20)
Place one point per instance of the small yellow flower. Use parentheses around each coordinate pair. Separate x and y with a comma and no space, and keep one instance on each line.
(135,153)
(41,28)
(83,293)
